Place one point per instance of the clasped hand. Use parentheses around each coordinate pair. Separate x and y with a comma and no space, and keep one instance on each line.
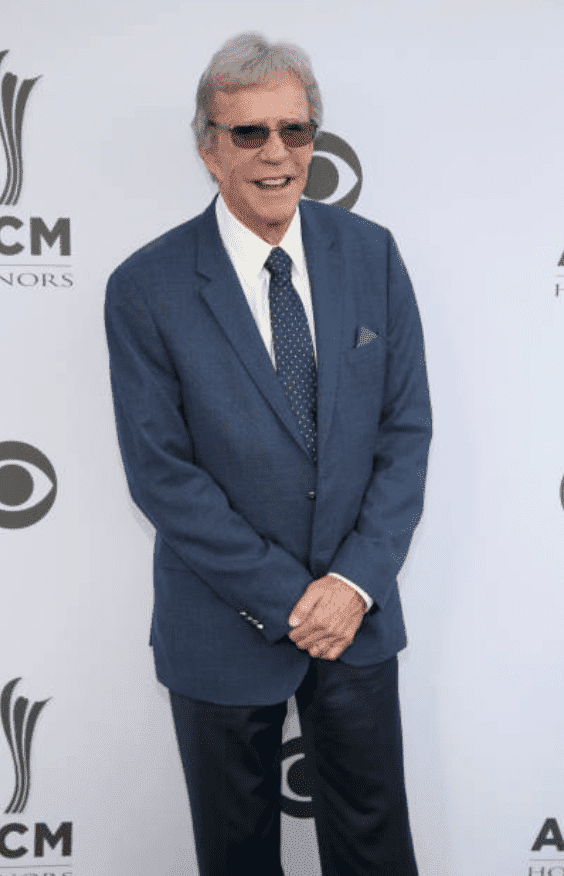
(329,613)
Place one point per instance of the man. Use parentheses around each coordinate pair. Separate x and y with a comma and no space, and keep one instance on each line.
(273,415)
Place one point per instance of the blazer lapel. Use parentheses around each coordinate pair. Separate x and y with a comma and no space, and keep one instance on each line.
(226,299)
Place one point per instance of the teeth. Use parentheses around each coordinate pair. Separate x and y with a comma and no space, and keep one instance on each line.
(273,182)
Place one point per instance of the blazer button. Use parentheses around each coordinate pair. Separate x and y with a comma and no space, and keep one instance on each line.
(311,494)
(260,626)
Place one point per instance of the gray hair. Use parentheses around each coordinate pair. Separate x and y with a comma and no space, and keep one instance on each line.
(245,60)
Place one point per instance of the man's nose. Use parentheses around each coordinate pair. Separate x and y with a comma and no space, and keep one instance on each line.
(274,146)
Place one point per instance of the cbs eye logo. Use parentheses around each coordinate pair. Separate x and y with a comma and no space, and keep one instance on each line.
(28,485)
(333,162)
(297,781)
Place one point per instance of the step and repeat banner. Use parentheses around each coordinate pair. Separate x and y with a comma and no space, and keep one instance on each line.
(444,123)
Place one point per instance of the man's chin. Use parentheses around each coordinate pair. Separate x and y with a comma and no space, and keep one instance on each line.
(275,216)
(276,223)
(258,216)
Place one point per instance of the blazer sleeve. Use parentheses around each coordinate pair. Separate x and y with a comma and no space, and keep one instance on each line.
(184,503)
(373,553)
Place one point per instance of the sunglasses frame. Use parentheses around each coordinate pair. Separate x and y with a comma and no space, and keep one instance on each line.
(232,128)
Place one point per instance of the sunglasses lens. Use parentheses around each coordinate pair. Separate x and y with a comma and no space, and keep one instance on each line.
(250,136)
(297,135)
(254,136)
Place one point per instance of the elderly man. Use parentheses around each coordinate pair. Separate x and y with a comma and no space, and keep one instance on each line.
(273,415)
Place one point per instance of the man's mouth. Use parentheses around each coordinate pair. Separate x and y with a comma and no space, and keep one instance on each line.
(278,182)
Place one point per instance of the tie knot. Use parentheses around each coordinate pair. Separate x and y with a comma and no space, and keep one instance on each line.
(279,263)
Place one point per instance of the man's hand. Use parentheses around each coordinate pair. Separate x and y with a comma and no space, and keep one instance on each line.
(329,613)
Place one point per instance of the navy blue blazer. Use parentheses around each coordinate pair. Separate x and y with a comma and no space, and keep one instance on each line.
(214,457)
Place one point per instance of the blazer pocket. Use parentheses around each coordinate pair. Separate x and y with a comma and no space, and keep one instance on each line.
(373,347)
(363,369)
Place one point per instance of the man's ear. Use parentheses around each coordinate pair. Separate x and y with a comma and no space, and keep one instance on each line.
(209,158)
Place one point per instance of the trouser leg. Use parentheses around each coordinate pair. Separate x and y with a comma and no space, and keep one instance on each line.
(351,726)
(231,761)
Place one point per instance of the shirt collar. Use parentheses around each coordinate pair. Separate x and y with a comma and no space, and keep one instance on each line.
(247,251)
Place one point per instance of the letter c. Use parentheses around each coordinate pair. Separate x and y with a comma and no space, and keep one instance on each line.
(4,850)
(13,222)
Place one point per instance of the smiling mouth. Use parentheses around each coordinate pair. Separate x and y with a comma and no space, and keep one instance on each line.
(273,183)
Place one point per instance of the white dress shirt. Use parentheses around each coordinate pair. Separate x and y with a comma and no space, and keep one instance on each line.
(248,254)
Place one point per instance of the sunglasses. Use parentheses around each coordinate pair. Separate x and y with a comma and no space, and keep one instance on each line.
(293,135)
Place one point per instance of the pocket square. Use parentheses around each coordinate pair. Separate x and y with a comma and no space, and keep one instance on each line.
(365,335)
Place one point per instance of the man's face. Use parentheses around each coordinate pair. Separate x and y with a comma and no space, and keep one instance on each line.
(265,211)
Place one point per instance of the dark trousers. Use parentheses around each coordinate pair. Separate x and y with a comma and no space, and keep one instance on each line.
(351,727)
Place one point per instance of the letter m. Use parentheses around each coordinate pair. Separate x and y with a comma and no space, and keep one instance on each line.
(43,833)
(549,836)
(60,232)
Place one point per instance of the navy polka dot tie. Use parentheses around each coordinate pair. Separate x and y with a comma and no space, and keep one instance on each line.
(295,361)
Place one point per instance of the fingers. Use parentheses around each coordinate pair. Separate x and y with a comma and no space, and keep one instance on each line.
(325,653)
(320,642)
(328,646)
(326,650)
(309,635)
(338,633)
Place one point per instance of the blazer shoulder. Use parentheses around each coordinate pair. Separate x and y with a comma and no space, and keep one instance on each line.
(343,221)
(168,249)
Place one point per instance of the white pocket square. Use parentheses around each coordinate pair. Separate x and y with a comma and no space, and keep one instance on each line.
(365,336)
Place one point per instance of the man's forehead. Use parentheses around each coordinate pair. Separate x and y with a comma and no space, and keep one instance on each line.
(284,98)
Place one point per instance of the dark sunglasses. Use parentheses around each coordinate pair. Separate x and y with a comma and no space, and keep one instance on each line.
(293,135)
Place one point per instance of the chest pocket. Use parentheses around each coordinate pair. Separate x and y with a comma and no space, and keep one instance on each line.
(363,369)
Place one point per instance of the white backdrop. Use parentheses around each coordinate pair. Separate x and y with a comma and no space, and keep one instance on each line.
(455,112)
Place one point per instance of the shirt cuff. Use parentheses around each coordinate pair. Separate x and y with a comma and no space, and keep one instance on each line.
(368,599)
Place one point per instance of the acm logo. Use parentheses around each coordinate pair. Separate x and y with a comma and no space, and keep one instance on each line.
(29,234)
(19,719)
